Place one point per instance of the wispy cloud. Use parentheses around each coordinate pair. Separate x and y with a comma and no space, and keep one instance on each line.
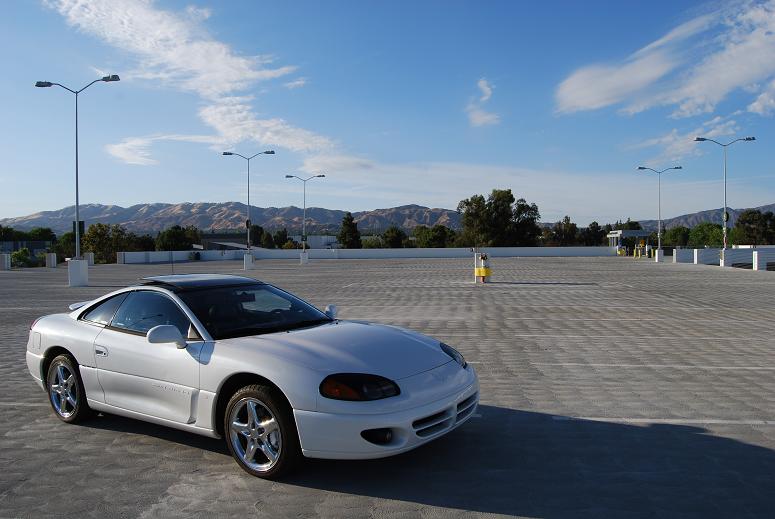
(692,68)
(175,49)
(478,116)
(296,83)
(765,103)
(676,145)
(486,89)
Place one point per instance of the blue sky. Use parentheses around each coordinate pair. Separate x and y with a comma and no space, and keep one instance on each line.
(396,102)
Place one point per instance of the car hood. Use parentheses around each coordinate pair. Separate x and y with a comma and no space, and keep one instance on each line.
(349,347)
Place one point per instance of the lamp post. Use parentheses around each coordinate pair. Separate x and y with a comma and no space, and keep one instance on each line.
(47,84)
(304,214)
(248,159)
(725,216)
(659,202)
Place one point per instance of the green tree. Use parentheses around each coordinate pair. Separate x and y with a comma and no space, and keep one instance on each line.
(146,242)
(280,237)
(565,232)
(498,220)
(41,234)
(393,237)
(373,242)
(104,241)
(677,236)
(755,228)
(65,246)
(193,234)
(349,237)
(267,241)
(256,235)
(436,236)
(174,238)
(290,244)
(706,234)
(23,258)
(592,235)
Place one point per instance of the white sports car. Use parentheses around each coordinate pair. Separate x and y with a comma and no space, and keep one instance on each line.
(229,356)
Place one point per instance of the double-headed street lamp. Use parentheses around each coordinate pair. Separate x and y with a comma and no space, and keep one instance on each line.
(248,159)
(725,216)
(46,84)
(659,203)
(304,216)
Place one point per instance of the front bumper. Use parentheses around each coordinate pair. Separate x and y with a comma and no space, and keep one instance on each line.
(338,435)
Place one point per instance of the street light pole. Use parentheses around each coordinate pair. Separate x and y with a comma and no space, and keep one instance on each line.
(304,211)
(659,201)
(248,159)
(725,216)
(46,84)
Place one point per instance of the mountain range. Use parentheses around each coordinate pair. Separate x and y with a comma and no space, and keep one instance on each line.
(711,215)
(151,218)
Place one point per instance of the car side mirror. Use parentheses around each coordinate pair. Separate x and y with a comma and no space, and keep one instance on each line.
(331,311)
(165,333)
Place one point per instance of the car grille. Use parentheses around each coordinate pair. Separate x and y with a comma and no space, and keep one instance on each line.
(444,420)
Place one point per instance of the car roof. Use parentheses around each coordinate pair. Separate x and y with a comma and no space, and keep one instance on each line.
(191,281)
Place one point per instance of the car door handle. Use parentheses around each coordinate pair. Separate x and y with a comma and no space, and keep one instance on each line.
(100,351)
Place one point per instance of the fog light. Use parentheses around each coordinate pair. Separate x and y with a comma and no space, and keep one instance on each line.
(378,436)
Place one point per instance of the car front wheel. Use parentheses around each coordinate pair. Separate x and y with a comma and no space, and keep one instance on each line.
(65,390)
(260,432)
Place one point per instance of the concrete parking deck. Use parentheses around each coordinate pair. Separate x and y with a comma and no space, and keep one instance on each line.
(610,388)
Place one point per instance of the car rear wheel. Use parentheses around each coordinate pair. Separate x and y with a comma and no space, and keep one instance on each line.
(260,432)
(65,390)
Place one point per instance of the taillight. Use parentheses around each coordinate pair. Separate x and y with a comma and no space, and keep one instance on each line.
(35,322)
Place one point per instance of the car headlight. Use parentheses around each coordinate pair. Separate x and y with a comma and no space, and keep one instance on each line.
(358,387)
(452,352)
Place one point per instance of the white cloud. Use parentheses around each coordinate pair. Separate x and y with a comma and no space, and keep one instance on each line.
(675,146)
(175,49)
(137,150)
(765,103)
(478,116)
(486,89)
(692,68)
(296,83)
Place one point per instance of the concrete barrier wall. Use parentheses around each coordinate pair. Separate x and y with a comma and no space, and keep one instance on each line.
(707,256)
(683,256)
(461,252)
(732,257)
(178,255)
(761,257)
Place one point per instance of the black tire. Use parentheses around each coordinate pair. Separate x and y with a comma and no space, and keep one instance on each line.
(58,394)
(275,410)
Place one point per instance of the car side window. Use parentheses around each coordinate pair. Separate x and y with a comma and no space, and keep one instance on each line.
(103,312)
(142,310)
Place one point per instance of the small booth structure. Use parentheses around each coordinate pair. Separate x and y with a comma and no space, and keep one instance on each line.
(640,250)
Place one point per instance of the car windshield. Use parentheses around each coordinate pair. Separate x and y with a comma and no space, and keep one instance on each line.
(253,309)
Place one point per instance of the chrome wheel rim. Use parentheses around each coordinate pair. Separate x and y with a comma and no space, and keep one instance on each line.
(255,434)
(62,390)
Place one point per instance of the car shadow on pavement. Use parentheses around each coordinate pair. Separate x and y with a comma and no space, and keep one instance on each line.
(526,463)
(109,422)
